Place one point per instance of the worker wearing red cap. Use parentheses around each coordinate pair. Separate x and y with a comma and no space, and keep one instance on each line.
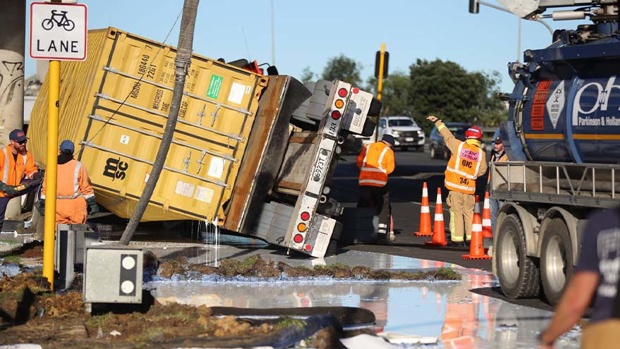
(75,196)
(16,167)
(467,162)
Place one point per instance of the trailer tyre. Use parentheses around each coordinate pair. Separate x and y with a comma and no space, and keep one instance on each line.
(519,277)
(556,264)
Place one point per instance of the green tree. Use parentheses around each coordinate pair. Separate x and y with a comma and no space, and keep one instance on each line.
(448,91)
(343,68)
(394,94)
(307,75)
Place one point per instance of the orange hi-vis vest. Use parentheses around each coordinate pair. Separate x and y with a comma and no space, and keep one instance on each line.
(73,189)
(376,162)
(463,168)
(13,170)
(72,182)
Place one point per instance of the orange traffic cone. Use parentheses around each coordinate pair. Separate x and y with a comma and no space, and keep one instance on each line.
(476,246)
(425,215)
(487,230)
(439,231)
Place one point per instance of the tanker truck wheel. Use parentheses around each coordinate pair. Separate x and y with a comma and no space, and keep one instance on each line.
(518,276)
(556,260)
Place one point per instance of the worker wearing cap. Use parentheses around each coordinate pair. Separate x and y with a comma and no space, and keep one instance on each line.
(498,155)
(467,162)
(75,196)
(17,167)
(376,162)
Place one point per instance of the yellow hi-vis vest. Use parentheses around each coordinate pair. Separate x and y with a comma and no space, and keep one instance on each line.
(376,162)
(463,168)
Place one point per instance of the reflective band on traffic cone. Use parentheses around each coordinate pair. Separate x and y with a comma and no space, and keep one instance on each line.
(487,230)
(425,215)
(439,230)
(476,246)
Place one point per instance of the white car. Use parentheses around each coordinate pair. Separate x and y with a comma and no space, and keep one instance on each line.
(407,134)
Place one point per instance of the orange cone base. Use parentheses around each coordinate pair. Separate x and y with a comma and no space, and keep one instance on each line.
(472,257)
(436,243)
(417,233)
(484,256)
(487,235)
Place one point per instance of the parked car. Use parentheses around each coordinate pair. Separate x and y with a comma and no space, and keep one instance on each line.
(438,147)
(405,131)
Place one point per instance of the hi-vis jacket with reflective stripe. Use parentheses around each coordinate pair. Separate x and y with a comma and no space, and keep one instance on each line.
(467,162)
(376,162)
(14,169)
(72,182)
(73,189)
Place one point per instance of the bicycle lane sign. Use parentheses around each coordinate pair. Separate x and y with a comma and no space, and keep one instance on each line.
(58,31)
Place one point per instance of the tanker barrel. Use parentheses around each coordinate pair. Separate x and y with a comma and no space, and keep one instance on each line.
(512,144)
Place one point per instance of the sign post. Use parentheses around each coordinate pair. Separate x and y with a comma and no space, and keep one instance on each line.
(57,32)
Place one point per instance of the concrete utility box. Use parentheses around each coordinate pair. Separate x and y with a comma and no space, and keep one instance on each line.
(113,274)
(71,239)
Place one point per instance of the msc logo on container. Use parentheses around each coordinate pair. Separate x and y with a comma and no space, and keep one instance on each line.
(115,168)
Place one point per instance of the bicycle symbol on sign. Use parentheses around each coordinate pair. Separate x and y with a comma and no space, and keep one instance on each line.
(60,19)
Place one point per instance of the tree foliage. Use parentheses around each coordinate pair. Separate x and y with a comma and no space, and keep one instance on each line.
(448,91)
(343,68)
(444,89)
(395,94)
(307,75)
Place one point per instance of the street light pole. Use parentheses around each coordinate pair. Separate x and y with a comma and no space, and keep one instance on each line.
(273,37)
(519,39)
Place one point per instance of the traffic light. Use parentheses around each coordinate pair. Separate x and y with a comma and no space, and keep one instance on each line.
(386,58)
(474,6)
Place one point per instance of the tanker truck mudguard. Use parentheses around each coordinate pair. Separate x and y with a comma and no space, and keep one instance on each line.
(252,153)
(562,138)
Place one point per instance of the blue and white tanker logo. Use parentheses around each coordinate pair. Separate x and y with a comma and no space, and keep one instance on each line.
(597,103)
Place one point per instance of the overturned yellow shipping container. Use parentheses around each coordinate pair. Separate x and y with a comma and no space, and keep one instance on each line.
(114,107)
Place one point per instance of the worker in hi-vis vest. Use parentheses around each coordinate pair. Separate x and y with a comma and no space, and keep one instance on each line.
(376,162)
(18,172)
(467,162)
(75,196)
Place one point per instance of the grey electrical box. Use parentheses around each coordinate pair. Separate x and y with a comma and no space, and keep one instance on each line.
(113,274)
(70,242)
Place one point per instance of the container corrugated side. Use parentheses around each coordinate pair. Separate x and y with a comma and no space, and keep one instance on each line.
(128,94)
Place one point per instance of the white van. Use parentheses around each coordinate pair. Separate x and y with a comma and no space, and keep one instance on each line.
(407,134)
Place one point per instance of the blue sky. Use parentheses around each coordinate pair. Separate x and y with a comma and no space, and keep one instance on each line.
(309,33)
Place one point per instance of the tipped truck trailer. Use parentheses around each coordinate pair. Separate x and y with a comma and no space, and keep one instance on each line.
(562,138)
(237,157)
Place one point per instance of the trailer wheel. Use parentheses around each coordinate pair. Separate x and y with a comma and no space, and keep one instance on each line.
(518,276)
(556,264)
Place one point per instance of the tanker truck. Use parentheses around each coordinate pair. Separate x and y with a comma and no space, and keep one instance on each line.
(253,154)
(562,138)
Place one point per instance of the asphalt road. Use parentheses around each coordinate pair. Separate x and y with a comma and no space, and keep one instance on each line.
(406,183)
